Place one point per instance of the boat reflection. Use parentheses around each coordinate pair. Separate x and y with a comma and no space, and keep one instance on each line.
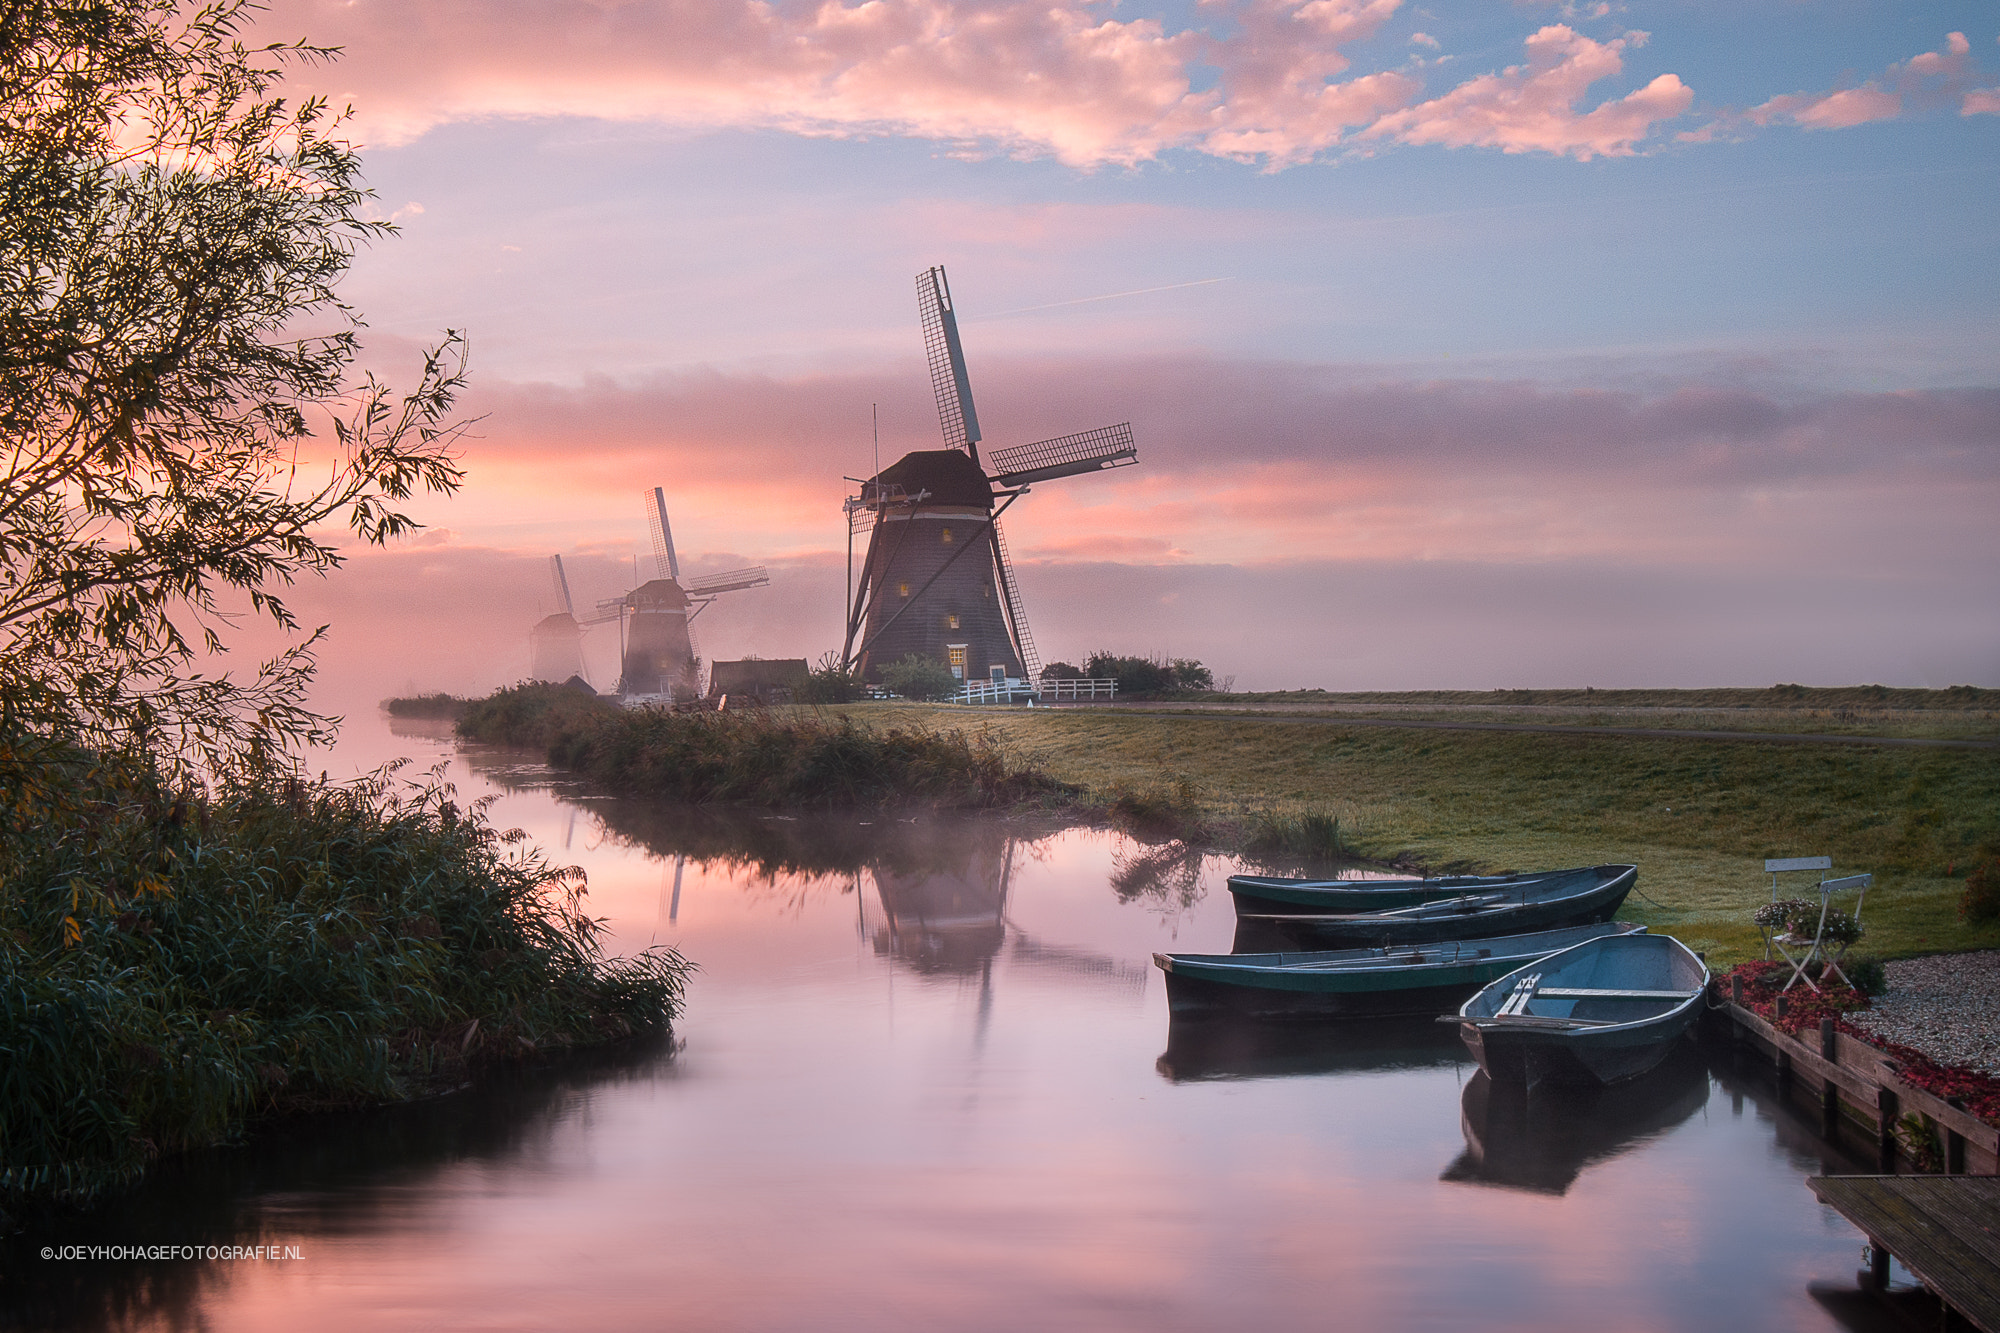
(1541,1138)
(1219,1048)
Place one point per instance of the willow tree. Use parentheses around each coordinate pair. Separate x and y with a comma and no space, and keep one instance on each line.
(184,431)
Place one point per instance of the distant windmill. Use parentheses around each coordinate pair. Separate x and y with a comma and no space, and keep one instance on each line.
(660,659)
(557,640)
(938,580)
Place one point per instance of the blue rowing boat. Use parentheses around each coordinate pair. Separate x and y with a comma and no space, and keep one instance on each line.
(1599,1012)
(1550,902)
(1406,979)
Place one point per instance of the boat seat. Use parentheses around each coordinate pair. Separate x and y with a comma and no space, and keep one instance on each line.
(1593,993)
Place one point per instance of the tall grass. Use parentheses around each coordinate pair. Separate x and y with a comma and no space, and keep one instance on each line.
(799,759)
(174,962)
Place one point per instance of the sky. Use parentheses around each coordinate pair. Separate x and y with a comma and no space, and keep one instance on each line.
(1472,345)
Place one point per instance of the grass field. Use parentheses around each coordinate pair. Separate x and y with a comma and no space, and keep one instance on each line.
(1697,816)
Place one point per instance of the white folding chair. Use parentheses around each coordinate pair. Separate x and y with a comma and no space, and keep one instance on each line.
(1817,947)
(1783,865)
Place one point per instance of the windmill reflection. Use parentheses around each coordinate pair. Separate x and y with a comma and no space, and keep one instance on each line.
(946,911)
(1540,1139)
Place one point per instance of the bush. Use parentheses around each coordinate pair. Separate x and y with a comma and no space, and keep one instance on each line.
(1148,677)
(1867,974)
(174,961)
(920,677)
(830,683)
(1062,671)
(1981,900)
(1313,836)
(426,705)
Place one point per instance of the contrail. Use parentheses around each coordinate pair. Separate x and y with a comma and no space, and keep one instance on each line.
(1108,296)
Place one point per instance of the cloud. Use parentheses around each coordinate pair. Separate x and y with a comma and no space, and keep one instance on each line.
(1931,79)
(1532,107)
(1263,80)
(1981,102)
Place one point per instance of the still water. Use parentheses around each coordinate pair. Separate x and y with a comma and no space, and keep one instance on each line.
(926,1080)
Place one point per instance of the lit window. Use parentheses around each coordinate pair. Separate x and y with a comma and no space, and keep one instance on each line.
(902,590)
(957,652)
(951,622)
(947,536)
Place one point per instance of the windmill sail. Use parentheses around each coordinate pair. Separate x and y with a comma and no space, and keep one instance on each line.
(1066,456)
(735,580)
(956,414)
(663,537)
(1017,615)
(562,585)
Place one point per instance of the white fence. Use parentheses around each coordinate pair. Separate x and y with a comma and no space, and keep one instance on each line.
(1050,691)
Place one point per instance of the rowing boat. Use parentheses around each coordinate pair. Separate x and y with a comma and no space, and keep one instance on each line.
(1572,898)
(1602,1011)
(1406,979)
(1275,895)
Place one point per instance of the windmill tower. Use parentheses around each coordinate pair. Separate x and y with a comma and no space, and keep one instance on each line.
(937,579)
(556,641)
(660,661)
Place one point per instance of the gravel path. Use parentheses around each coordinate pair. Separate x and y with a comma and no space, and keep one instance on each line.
(1947,1006)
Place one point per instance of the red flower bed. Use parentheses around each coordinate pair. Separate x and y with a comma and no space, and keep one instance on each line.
(1804,1007)
(1978,1093)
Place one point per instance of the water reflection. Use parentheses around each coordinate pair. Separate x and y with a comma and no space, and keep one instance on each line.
(1218,1048)
(302,1183)
(1542,1137)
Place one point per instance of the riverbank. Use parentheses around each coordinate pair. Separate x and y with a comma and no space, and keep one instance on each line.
(1698,816)
(176,964)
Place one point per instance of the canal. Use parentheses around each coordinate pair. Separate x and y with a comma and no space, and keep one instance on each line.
(926,1080)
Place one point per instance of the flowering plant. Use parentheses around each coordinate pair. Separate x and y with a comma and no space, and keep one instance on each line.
(1785,913)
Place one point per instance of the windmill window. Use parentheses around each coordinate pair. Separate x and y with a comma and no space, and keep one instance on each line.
(902,590)
(957,657)
(951,622)
(947,536)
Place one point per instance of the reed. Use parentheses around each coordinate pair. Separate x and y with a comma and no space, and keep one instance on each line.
(176,962)
(796,758)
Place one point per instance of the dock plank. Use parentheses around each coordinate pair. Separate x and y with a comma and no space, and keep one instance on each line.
(1944,1229)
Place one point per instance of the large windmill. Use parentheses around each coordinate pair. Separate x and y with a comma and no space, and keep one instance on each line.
(937,580)
(659,658)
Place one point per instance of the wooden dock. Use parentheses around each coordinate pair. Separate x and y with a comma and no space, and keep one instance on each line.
(1944,1229)
(1855,1082)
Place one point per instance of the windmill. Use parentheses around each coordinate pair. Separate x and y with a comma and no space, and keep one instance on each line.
(937,580)
(659,658)
(557,640)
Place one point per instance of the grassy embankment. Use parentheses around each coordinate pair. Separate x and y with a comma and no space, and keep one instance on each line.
(1697,816)
(176,963)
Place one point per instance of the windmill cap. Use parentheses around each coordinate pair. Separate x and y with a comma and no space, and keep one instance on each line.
(951,477)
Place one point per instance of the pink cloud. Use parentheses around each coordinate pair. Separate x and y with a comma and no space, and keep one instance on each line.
(1532,107)
(1927,80)
(1014,76)
(1981,102)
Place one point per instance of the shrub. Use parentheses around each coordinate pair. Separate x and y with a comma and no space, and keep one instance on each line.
(1062,671)
(1148,677)
(174,961)
(1867,974)
(1981,900)
(1313,836)
(830,683)
(920,677)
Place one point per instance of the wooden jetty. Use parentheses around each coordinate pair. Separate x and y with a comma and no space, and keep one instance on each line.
(1944,1229)
(1856,1082)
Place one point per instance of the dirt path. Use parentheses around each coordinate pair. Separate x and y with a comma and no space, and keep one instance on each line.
(1255,713)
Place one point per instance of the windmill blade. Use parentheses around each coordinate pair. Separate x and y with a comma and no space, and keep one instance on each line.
(663,536)
(956,415)
(734,581)
(562,585)
(1066,456)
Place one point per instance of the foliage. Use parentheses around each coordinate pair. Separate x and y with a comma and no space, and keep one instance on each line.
(1148,677)
(1312,835)
(1801,917)
(1981,900)
(1062,671)
(426,705)
(175,961)
(1869,975)
(1763,982)
(830,683)
(170,231)
(1778,916)
(768,757)
(922,678)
